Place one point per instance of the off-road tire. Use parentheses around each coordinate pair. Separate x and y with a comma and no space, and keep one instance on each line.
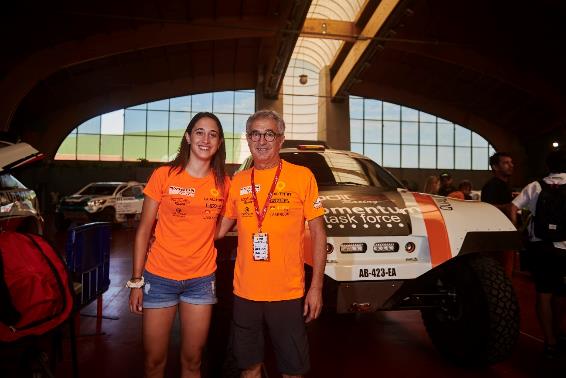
(480,325)
(107,214)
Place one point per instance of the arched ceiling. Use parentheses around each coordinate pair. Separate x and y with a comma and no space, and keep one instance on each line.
(493,66)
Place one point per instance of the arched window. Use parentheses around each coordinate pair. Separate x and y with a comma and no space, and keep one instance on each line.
(153,131)
(400,137)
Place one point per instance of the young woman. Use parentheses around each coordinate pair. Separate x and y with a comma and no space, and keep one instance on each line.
(186,197)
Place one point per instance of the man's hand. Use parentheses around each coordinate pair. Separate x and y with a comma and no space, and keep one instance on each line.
(313,304)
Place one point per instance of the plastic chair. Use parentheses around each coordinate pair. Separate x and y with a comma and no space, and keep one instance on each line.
(88,259)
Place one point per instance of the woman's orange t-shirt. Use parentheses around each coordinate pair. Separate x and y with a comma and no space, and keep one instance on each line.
(186,220)
(295,200)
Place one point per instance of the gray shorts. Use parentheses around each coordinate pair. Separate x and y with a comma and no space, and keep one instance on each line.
(286,326)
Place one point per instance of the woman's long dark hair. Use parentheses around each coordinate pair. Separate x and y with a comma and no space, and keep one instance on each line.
(218,160)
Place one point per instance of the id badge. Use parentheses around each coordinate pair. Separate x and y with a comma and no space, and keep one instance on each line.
(260,246)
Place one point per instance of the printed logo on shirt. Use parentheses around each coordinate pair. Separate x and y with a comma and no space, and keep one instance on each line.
(248,189)
(317,204)
(280,185)
(177,190)
(214,192)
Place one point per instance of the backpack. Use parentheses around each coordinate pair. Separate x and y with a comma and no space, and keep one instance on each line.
(550,213)
(35,289)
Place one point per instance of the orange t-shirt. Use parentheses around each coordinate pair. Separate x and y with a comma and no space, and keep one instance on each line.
(295,199)
(186,221)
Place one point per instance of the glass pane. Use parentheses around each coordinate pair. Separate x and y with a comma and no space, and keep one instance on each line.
(372,131)
(178,122)
(92,126)
(134,148)
(356,130)
(227,122)
(157,149)
(357,147)
(440,120)
(463,158)
(159,105)
(202,102)
(223,102)
(229,150)
(88,147)
(134,122)
(478,140)
(391,111)
(391,156)
(239,125)
(409,156)
(139,107)
(372,109)
(356,107)
(111,147)
(373,151)
(182,103)
(425,117)
(174,143)
(112,123)
(67,150)
(445,134)
(491,150)
(241,150)
(463,136)
(157,123)
(428,134)
(427,157)
(391,132)
(445,158)
(410,132)
(480,158)
(408,114)
(244,102)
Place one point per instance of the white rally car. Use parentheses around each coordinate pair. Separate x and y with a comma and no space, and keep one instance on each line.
(391,249)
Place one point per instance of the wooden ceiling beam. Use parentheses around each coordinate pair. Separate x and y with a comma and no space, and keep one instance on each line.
(330,29)
(369,32)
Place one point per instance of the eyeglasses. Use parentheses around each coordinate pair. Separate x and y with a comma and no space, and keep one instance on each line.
(269,135)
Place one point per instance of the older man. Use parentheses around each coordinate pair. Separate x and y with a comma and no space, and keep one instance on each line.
(271,202)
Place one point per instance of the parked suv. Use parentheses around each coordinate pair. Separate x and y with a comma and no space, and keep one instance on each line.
(391,249)
(103,201)
(19,206)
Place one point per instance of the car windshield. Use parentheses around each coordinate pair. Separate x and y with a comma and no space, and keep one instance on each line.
(99,190)
(334,168)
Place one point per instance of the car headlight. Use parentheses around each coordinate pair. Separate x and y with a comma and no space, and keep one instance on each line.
(96,203)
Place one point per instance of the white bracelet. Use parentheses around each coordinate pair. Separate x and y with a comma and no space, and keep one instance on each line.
(135,285)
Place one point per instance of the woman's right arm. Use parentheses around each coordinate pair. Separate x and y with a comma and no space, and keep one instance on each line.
(143,233)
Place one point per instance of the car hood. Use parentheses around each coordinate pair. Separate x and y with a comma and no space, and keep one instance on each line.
(78,198)
(15,155)
(365,212)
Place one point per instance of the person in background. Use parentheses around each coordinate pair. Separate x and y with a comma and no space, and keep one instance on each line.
(186,198)
(432,184)
(548,259)
(446,184)
(464,191)
(269,276)
(497,191)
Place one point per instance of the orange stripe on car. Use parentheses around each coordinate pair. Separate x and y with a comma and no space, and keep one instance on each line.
(438,242)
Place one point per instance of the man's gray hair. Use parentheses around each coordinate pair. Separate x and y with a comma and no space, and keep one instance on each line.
(266,114)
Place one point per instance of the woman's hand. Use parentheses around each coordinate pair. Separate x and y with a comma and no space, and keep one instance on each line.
(136,300)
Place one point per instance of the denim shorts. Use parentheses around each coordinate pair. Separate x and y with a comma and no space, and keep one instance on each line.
(160,292)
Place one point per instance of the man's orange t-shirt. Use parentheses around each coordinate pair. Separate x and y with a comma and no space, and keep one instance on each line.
(294,200)
(186,222)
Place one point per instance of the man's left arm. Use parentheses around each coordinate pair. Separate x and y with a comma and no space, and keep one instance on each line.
(313,300)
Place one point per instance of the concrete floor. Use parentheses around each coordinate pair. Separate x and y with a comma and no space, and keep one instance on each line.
(390,344)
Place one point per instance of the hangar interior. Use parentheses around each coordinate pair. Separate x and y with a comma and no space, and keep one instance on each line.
(492,69)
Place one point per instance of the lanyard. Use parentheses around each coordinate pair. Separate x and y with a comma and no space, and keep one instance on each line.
(261,216)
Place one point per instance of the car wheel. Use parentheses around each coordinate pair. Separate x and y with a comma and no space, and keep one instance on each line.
(107,215)
(478,323)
